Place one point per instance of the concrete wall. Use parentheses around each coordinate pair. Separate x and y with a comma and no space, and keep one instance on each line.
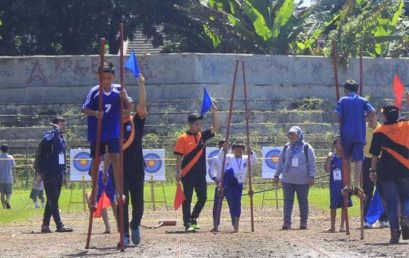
(66,79)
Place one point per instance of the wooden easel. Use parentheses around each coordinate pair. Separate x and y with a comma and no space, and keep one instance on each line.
(83,201)
(153,200)
(266,188)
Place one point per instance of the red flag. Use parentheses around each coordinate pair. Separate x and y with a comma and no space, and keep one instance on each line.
(398,90)
(103,203)
(179,197)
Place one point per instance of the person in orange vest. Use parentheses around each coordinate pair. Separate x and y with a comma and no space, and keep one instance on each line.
(391,170)
(190,151)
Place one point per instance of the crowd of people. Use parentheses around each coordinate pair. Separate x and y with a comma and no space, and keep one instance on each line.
(378,151)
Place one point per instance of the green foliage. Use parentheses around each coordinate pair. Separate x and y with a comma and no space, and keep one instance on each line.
(258,26)
(376,27)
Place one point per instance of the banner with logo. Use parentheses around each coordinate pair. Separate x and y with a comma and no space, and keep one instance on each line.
(155,164)
(270,160)
(80,164)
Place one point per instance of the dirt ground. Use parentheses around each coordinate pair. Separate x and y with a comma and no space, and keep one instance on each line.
(268,240)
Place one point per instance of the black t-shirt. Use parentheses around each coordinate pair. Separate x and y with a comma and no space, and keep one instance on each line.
(390,141)
(133,156)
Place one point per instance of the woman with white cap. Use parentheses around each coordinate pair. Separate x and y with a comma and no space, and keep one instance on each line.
(298,169)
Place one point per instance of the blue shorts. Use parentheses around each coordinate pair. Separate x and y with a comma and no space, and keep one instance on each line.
(353,150)
(113,147)
(336,196)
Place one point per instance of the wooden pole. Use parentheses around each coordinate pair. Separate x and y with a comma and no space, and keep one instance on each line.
(361,72)
(95,165)
(345,166)
(250,172)
(120,184)
(219,207)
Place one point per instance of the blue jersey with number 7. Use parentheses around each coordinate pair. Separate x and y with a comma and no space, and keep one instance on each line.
(111,117)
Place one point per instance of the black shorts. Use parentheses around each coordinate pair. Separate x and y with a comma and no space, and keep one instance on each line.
(113,147)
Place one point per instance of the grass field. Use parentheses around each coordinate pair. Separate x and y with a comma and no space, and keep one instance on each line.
(23,207)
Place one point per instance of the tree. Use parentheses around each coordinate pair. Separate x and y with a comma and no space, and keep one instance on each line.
(248,26)
(72,26)
(376,27)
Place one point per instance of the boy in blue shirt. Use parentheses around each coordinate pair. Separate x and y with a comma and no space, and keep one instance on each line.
(111,117)
(351,110)
(333,166)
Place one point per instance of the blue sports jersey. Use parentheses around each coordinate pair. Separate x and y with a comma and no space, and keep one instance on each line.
(352,109)
(112,116)
(336,184)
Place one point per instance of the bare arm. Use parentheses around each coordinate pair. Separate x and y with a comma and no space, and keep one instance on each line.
(215,120)
(141,107)
(90,112)
(327,166)
(178,167)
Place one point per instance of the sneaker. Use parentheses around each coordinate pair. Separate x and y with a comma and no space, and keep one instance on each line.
(64,230)
(7,205)
(303,227)
(189,228)
(395,236)
(45,229)
(367,225)
(384,224)
(404,224)
(36,206)
(136,236)
(286,227)
(194,224)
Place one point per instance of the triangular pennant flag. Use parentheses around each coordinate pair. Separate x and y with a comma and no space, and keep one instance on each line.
(375,209)
(179,197)
(398,90)
(207,102)
(132,64)
(103,203)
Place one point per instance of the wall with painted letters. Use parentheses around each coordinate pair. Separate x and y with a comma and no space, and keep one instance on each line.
(66,79)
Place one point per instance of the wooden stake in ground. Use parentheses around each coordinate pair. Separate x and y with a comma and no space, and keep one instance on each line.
(346,170)
(250,173)
(119,185)
(361,199)
(95,165)
(220,192)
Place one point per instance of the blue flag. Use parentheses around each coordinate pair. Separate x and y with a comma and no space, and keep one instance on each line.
(375,209)
(207,102)
(132,64)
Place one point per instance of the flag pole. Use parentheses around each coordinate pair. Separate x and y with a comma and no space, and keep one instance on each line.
(121,140)
(220,192)
(250,173)
(346,169)
(95,165)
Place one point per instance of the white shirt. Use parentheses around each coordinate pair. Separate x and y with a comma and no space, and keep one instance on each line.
(215,168)
(239,165)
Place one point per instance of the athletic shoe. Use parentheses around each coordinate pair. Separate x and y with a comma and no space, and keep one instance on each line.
(45,229)
(404,223)
(395,236)
(286,227)
(136,236)
(36,206)
(367,225)
(384,224)
(8,205)
(64,230)
(194,224)
(189,228)
(303,227)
